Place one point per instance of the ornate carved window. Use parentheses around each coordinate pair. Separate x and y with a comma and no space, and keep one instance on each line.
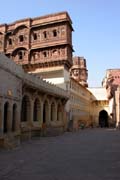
(10,41)
(35,36)
(36,55)
(45,34)
(55,53)
(21,38)
(21,54)
(54,33)
(45,54)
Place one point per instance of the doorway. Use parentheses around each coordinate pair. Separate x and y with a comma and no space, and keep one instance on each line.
(6,117)
(103,119)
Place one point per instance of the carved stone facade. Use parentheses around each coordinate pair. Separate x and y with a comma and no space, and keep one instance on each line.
(79,70)
(40,42)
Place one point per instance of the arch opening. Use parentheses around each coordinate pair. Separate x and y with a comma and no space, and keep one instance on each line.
(6,116)
(103,118)
(25,111)
(59,112)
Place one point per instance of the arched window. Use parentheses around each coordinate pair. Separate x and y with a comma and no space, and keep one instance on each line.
(21,38)
(55,53)
(54,33)
(45,54)
(10,41)
(45,34)
(35,36)
(20,55)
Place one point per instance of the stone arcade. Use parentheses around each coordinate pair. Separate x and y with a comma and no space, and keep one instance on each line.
(26,103)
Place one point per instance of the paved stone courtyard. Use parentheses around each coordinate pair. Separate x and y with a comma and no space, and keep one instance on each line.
(90,154)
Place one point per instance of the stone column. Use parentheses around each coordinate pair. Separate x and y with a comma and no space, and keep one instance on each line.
(41,114)
(30,120)
(64,116)
(48,115)
(38,113)
(55,114)
(17,119)
(9,120)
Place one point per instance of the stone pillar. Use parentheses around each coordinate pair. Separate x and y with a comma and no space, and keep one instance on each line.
(65,118)
(55,114)
(9,119)
(41,114)
(17,119)
(48,115)
(30,120)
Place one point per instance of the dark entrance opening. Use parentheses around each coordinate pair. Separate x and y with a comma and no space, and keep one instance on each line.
(6,106)
(44,117)
(103,119)
(26,109)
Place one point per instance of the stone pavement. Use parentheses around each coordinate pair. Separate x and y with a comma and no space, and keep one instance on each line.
(89,154)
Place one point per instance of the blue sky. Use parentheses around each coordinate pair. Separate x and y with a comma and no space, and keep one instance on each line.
(96,26)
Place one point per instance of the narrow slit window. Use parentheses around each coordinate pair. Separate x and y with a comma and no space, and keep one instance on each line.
(45,34)
(45,54)
(10,41)
(35,36)
(54,33)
